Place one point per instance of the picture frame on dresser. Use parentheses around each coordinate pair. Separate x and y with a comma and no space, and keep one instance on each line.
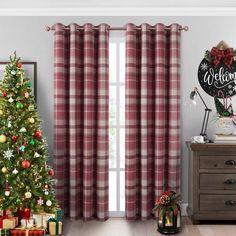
(30,69)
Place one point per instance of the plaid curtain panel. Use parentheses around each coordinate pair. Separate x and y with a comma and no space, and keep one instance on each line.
(81,119)
(152,116)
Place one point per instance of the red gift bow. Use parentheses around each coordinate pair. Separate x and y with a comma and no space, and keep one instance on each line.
(226,55)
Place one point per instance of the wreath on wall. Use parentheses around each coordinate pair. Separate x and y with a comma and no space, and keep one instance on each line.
(217,71)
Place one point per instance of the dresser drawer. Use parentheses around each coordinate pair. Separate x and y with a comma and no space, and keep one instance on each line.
(217,202)
(215,162)
(218,181)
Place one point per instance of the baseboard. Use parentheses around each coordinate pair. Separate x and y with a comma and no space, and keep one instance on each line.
(184,209)
(122,214)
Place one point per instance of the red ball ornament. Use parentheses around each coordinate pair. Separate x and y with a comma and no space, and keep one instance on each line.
(4,94)
(38,134)
(27,213)
(51,172)
(14,138)
(19,65)
(25,164)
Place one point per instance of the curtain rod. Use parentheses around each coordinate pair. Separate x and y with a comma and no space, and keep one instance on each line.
(184,28)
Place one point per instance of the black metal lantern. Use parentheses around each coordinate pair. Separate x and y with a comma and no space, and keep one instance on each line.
(169,221)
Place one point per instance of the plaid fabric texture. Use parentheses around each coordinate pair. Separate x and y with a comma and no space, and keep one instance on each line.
(22,232)
(226,55)
(152,116)
(81,119)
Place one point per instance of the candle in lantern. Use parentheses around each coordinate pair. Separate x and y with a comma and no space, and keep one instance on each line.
(168,221)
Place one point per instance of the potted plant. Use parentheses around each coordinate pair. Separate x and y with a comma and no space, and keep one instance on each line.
(226,121)
(168,212)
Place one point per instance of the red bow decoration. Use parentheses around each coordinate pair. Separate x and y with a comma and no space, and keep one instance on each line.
(226,55)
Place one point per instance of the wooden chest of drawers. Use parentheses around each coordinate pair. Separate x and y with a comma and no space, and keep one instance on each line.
(212,182)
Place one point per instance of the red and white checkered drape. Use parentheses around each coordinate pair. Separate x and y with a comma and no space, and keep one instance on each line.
(81,119)
(152,116)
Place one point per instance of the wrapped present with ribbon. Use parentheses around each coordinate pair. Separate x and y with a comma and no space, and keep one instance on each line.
(41,219)
(27,232)
(27,223)
(58,214)
(38,219)
(25,213)
(46,217)
(5,232)
(54,227)
(7,212)
(8,222)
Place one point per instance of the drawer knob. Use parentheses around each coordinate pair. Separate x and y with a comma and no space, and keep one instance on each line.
(230,203)
(230,162)
(230,181)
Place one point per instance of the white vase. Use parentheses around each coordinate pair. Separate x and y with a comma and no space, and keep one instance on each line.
(226,126)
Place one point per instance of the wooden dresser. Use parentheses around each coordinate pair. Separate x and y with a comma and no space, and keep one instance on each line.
(212,182)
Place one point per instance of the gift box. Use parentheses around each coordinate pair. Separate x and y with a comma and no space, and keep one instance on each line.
(7,222)
(58,214)
(54,227)
(41,220)
(21,214)
(27,232)
(4,232)
(6,212)
(38,219)
(27,223)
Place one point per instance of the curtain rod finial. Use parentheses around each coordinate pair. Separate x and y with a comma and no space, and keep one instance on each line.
(47,28)
(186,28)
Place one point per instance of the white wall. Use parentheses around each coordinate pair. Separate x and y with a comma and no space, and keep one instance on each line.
(26,35)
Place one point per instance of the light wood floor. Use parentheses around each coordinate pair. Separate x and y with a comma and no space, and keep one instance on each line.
(122,227)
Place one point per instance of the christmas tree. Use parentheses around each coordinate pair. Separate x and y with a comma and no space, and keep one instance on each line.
(25,178)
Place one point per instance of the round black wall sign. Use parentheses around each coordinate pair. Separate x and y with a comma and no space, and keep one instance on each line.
(220,78)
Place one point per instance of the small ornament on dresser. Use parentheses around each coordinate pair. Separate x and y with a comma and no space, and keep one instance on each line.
(225,115)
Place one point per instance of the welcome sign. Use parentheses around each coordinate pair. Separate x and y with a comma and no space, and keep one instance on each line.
(217,72)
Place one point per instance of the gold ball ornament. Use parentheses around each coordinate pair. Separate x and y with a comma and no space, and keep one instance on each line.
(3,138)
(4,169)
(28,195)
(31,120)
(1,112)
